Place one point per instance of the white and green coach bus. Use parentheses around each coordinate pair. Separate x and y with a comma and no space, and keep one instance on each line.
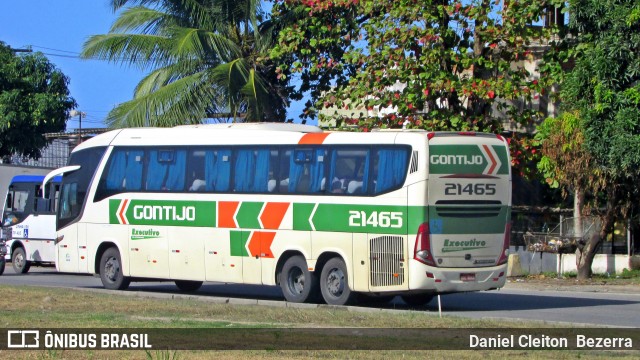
(324,215)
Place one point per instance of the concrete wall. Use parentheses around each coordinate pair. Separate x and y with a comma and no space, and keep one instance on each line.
(536,262)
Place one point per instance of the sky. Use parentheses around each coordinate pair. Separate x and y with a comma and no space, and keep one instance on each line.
(59,29)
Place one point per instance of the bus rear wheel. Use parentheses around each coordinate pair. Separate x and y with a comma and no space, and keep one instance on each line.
(111,271)
(298,284)
(19,261)
(334,283)
(188,285)
(2,265)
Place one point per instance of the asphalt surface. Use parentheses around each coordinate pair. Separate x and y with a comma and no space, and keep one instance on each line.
(595,306)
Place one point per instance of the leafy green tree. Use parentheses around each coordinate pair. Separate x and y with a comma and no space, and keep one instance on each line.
(34,100)
(601,97)
(206,60)
(438,64)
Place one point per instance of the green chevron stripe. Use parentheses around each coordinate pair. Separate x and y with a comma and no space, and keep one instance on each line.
(248,214)
(238,241)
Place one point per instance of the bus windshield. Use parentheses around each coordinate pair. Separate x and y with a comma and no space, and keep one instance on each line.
(20,201)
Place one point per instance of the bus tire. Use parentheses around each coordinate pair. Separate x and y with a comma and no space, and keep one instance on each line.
(19,261)
(111,270)
(417,299)
(2,265)
(334,283)
(188,285)
(298,284)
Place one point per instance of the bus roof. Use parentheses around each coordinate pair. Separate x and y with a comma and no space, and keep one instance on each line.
(32,179)
(259,134)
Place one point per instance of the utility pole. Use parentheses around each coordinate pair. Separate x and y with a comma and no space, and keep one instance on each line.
(73,113)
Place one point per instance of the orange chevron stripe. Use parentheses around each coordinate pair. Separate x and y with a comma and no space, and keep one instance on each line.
(260,244)
(123,219)
(313,138)
(226,211)
(494,163)
(272,215)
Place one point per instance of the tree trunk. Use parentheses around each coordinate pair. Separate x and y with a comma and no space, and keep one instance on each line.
(578,201)
(585,255)
(587,248)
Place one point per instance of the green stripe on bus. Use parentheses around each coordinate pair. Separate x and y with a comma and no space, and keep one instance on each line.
(383,219)
(301,215)
(238,241)
(355,218)
(164,213)
(465,159)
(248,214)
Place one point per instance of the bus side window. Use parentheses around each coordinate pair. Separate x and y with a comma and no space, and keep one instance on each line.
(251,170)
(124,171)
(390,168)
(304,171)
(55,197)
(69,202)
(9,203)
(166,170)
(350,167)
(195,170)
(217,169)
(42,205)
(38,205)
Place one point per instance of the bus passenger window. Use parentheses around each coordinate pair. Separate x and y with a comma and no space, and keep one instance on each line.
(304,171)
(252,170)
(166,170)
(390,169)
(217,170)
(124,170)
(350,166)
(195,166)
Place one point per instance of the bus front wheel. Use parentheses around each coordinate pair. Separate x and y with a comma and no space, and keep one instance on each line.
(111,270)
(298,284)
(19,261)
(334,283)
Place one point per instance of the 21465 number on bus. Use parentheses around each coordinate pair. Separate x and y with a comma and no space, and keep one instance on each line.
(469,189)
(383,219)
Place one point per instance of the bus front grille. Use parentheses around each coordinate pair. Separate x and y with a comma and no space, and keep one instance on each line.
(387,261)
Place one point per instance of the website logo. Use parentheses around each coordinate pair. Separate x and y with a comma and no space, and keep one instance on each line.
(23,339)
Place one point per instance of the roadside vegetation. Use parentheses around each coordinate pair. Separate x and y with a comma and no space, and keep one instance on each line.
(45,308)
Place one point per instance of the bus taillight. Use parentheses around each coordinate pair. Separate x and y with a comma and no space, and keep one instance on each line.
(504,255)
(422,250)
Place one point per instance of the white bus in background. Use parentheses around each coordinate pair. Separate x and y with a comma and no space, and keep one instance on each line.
(29,221)
(324,215)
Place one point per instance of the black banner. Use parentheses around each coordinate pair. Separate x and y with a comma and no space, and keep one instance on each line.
(322,339)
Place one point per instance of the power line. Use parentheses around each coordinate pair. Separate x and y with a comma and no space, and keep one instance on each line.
(58,50)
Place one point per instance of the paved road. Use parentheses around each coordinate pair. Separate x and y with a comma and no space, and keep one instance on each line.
(578,307)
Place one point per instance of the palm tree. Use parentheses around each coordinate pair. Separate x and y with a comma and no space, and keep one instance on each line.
(207,60)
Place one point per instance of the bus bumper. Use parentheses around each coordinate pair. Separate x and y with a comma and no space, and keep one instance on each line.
(448,280)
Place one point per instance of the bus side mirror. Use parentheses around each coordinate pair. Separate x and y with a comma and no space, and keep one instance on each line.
(43,205)
(9,203)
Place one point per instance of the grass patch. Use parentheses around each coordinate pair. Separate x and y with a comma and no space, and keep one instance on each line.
(34,307)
